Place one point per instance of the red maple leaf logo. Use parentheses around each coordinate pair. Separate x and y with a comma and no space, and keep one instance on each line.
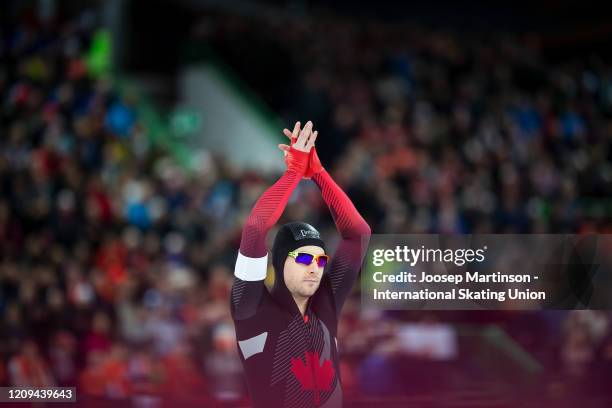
(312,376)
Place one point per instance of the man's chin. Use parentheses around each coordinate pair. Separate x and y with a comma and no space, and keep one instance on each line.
(309,292)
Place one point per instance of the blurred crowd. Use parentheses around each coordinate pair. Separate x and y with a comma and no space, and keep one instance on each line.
(440,131)
(116,262)
(112,276)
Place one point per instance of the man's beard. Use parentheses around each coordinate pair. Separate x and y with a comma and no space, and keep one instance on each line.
(307,292)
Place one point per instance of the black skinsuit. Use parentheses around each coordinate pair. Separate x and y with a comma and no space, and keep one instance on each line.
(292,360)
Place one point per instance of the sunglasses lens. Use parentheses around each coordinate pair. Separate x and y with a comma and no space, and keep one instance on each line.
(322,261)
(303,258)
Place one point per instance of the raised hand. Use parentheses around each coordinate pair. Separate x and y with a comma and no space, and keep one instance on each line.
(301,140)
(297,154)
(314,164)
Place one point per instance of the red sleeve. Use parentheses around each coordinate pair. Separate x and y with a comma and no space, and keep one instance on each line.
(346,261)
(265,214)
(246,294)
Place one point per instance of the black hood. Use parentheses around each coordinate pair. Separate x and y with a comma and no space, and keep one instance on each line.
(289,237)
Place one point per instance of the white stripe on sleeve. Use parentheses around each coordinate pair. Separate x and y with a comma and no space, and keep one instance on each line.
(251,269)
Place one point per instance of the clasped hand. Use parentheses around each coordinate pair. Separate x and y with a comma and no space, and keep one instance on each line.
(301,155)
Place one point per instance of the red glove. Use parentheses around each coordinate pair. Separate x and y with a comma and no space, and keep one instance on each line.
(314,164)
(297,161)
